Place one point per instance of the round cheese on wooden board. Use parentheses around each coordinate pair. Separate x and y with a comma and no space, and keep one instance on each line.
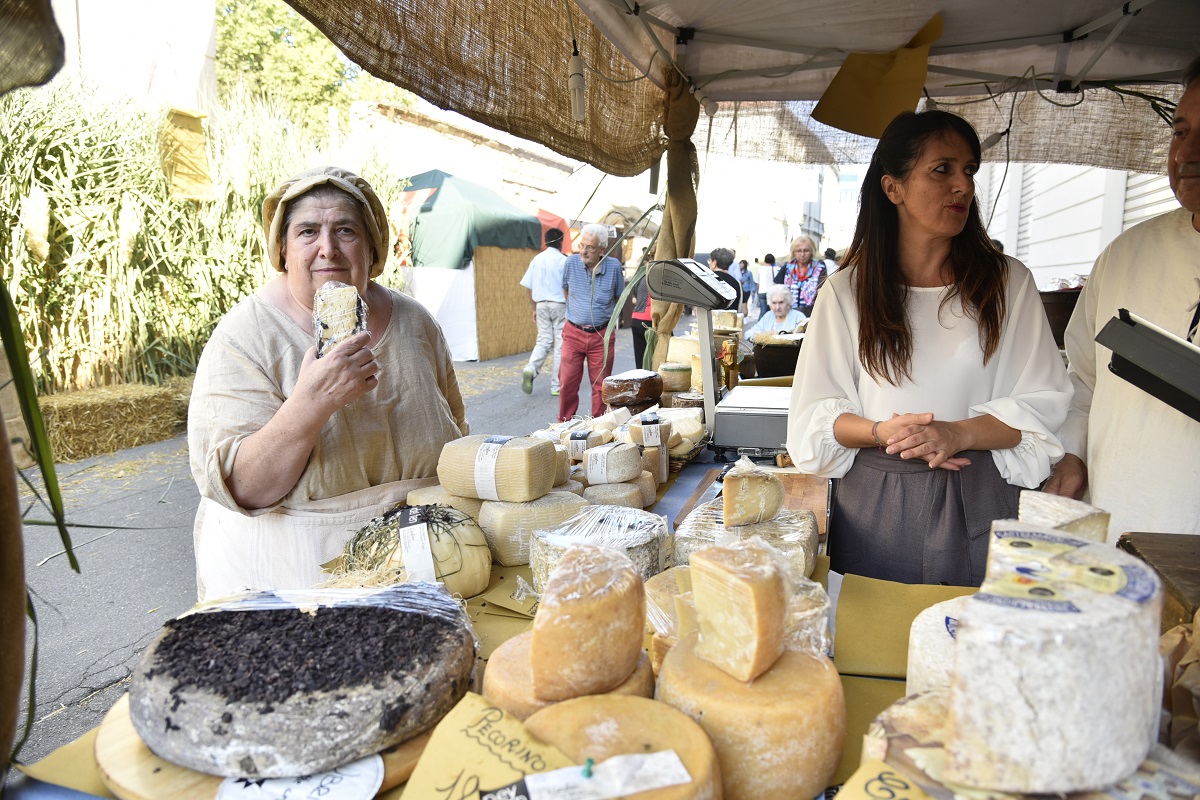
(250,689)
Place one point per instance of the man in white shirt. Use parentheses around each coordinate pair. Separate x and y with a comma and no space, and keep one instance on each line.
(1140,456)
(544,279)
(831,263)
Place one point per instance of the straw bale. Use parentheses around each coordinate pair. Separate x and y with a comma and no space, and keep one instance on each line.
(503,314)
(96,421)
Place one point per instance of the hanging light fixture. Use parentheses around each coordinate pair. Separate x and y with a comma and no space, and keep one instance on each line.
(575,85)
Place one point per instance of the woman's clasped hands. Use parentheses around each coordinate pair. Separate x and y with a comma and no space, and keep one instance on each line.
(921,436)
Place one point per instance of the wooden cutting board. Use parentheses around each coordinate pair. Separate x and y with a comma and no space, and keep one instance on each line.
(132,772)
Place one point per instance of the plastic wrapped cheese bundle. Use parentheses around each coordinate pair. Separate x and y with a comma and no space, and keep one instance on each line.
(508,526)
(514,469)
(750,494)
(794,533)
(640,535)
(453,550)
(338,313)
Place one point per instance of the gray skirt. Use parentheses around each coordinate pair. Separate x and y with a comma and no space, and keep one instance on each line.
(899,520)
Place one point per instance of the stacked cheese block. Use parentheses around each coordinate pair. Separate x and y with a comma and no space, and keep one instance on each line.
(513,477)
(677,379)
(640,535)
(775,715)
(751,505)
(635,390)
(586,637)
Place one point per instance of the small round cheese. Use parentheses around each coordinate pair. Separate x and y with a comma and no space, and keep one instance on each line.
(676,377)
(614,494)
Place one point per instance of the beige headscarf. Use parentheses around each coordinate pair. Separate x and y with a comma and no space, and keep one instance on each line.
(374,217)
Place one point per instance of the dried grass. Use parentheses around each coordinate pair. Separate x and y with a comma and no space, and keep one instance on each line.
(97,421)
(503,314)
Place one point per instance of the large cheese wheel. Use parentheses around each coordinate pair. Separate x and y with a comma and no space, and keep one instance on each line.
(1057,677)
(437,495)
(253,693)
(640,535)
(613,463)
(598,728)
(931,647)
(780,735)
(750,494)
(628,495)
(587,634)
(509,468)
(633,386)
(794,533)
(508,679)
(677,377)
(1064,514)
(739,596)
(680,349)
(508,526)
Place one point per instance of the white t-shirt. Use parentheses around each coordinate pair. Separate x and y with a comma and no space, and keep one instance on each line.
(1024,385)
(1143,456)
(544,277)
(766,276)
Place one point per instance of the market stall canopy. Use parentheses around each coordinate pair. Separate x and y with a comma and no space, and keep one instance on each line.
(551,220)
(449,217)
(765,62)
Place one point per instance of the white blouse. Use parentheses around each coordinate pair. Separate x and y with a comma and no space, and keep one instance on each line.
(1024,385)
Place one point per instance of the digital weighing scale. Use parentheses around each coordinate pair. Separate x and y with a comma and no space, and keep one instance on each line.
(750,420)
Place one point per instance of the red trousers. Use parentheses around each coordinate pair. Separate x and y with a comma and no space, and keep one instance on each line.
(579,347)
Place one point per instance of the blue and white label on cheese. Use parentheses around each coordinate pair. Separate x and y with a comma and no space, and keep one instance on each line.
(651,437)
(577,448)
(358,780)
(952,627)
(1140,586)
(415,547)
(485,466)
(1028,603)
(619,776)
(597,463)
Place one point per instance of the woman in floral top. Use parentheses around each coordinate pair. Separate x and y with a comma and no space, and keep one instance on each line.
(804,275)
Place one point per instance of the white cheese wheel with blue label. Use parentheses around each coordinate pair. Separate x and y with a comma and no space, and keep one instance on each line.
(931,646)
(1057,679)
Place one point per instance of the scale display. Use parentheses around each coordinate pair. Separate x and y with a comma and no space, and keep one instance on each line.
(682,280)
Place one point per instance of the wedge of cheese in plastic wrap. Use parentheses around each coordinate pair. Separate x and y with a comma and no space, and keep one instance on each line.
(931,646)
(514,469)
(631,387)
(595,729)
(1057,683)
(338,313)
(587,634)
(750,494)
(412,543)
(509,526)
(641,536)
(508,679)
(613,463)
(1064,514)
(794,533)
(437,495)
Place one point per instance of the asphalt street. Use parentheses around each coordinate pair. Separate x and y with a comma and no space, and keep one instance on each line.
(137,569)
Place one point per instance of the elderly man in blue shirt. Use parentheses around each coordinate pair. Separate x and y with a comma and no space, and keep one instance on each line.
(592,284)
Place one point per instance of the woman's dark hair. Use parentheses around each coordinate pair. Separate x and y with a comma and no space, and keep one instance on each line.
(769,258)
(980,274)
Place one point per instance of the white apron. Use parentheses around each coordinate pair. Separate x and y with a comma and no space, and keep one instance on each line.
(284,548)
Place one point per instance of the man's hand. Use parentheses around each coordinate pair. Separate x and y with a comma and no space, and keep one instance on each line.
(1068,478)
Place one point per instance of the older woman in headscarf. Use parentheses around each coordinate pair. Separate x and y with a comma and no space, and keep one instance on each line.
(292,452)
(782,316)
(804,275)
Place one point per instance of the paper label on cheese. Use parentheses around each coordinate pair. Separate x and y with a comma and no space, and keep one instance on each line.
(650,430)
(414,547)
(877,780)
(578,444)
(597,463)
(615,777)
(485,466)
(353,781)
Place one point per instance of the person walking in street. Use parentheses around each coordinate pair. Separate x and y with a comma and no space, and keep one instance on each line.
(766,278)
(544,280)
(592,283)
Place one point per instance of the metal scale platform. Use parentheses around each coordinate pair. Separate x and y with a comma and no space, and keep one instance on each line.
(749,420)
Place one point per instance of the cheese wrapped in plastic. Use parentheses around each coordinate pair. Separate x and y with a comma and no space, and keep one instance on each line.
(514,469)
(641,536)
(508,526)
(794,533)
(338,313)
(750,494)
(631,387)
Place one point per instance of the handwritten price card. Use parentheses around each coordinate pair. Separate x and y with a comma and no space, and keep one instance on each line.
(876,780)
(476,748)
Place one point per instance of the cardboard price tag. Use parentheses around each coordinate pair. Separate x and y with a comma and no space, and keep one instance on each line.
(476,748)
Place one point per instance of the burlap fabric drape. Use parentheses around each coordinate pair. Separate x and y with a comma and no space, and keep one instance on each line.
(677,235)
(31,46)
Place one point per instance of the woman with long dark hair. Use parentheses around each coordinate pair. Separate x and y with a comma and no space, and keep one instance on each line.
(929,383)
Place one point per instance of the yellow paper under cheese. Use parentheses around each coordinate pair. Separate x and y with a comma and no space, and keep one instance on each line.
(511,469)
(740,607)
(587,635)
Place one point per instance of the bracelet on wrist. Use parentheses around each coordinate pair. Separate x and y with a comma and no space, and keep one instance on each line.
(875,435)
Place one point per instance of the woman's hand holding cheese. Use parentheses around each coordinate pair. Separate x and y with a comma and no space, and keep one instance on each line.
(346,373)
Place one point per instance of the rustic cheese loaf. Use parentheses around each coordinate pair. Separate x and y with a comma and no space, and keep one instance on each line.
(509,468)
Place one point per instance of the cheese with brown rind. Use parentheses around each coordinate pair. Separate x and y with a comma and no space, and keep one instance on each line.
(587,634)
(512,469)
(508,679)
(750,494)
(631,387)
(508,526)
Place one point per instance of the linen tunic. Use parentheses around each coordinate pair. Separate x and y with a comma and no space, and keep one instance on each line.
(1024,385)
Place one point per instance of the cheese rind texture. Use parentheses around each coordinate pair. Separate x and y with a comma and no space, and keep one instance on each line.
(931,646)
(599,728)
(1064,514)
(614,494)
(750,494)
(780,735)
(794,533)
(640,535)
(740,606)
(613,463)
(509,526)
(508,679)
(512,469)
(1057,678)
(437,495)
(587,634)
(631,387)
